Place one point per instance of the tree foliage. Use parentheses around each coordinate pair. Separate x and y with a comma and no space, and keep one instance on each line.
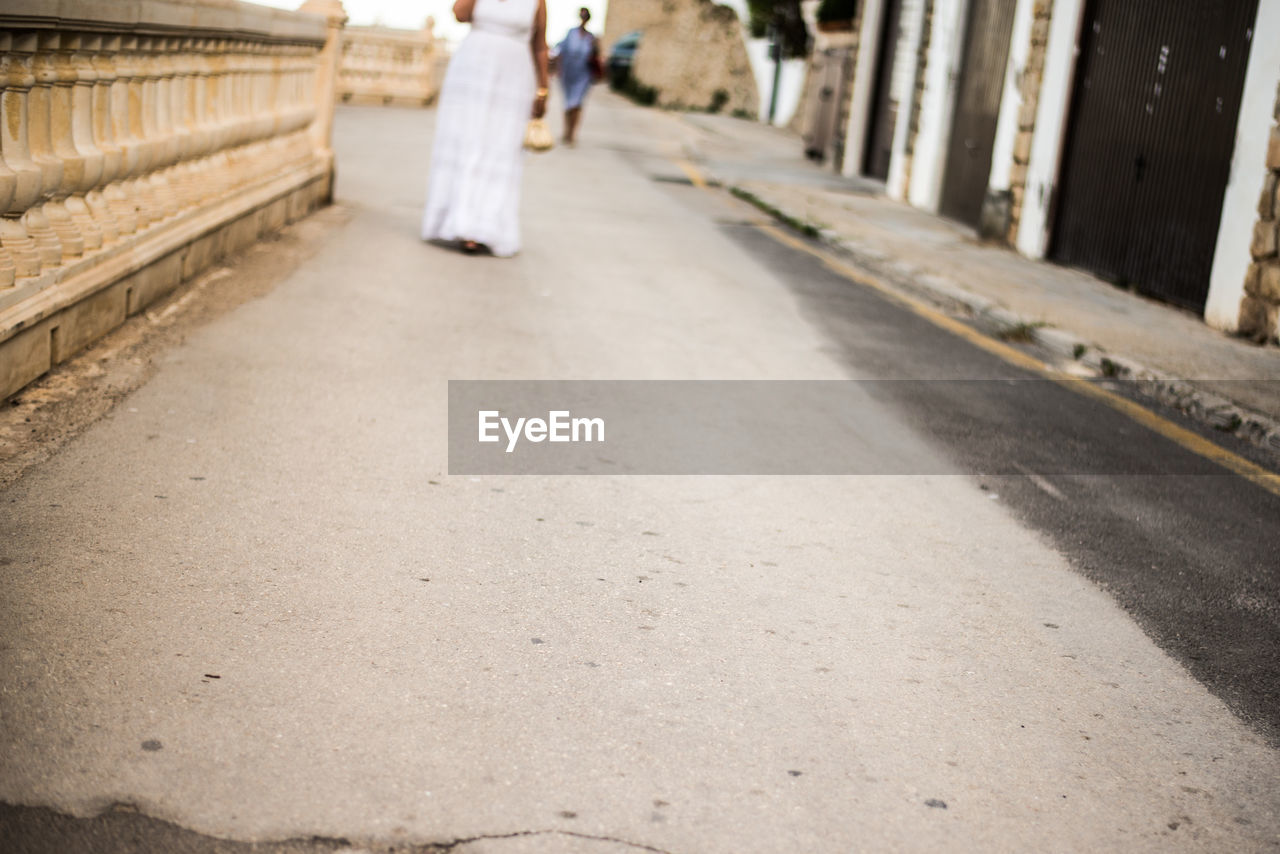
(837,10)
(784,15)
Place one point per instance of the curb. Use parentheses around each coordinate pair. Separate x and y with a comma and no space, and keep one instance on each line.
(1199,404)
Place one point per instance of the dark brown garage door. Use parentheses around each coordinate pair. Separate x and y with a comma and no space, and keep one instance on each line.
(884,109)
(1149,144)
(973,128)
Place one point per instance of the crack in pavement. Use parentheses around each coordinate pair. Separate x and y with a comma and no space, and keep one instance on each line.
(639,846)
(123,828)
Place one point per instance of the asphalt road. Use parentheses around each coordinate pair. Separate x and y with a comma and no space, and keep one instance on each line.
(1186,547)
(252,605)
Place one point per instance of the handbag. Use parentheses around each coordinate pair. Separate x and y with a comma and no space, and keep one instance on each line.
(537,136)
(594,64)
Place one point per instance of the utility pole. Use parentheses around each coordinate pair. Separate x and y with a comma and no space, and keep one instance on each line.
(775,53)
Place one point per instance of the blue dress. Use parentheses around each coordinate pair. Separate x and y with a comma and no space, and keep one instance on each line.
(575,66)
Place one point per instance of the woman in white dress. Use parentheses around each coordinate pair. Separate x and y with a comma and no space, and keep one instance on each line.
(473,193)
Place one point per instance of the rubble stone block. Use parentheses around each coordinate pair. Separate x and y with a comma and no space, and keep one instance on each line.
(1040,31)
(1022,148)
(1258,319)
(1263,244)
(1029,86)
(1268,282)
(1267,201)
(1027,112)
(1251,279)
(1273,149)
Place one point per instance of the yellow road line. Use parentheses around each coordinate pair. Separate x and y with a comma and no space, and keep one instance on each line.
(695,176)
(1191,441)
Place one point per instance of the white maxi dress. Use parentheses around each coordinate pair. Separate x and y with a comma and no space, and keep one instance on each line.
(473,189)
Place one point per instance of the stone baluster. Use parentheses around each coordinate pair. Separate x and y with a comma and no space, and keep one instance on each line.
(143,99)
(233,103)
(110,130)
(8,191)
(259,158)
(242,94)
(148,100)
(200,118)
(264,91)
(24,187)
(68,215)
(289,107)
(304,82)
(97,226)
(326,78)
(48,222)
(161,69)
(131,119)
(181,174)
(216,84)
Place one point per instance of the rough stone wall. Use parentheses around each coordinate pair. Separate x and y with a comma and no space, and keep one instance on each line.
(1032,76)
(922,64)
(1260,308)
(844,101)
(691,50)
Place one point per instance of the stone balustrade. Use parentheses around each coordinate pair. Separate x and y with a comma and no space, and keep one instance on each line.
(140,140)
(384,65)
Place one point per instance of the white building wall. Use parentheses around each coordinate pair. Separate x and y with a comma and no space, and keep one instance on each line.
(1011,98)
(1248,171)
(937,103)
(904,92)
(1051,122)
(790,83)
(864,81)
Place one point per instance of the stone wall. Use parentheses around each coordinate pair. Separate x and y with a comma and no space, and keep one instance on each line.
(1032,75)
(141,140)
(917,97)
(385,66)
(691,50)
(1260,308)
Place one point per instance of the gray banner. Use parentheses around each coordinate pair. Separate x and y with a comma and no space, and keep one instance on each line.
(784,427)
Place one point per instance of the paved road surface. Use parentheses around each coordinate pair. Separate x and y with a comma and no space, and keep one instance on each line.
(252,603)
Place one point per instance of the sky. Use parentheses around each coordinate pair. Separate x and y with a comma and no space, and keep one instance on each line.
(409,14)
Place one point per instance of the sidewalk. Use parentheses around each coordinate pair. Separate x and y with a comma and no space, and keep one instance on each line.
(1221,379)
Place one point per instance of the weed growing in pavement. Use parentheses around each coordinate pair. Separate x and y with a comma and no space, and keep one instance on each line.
(808,229)
(1023,333)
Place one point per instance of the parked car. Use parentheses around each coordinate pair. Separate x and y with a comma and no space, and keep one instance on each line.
(618,65)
